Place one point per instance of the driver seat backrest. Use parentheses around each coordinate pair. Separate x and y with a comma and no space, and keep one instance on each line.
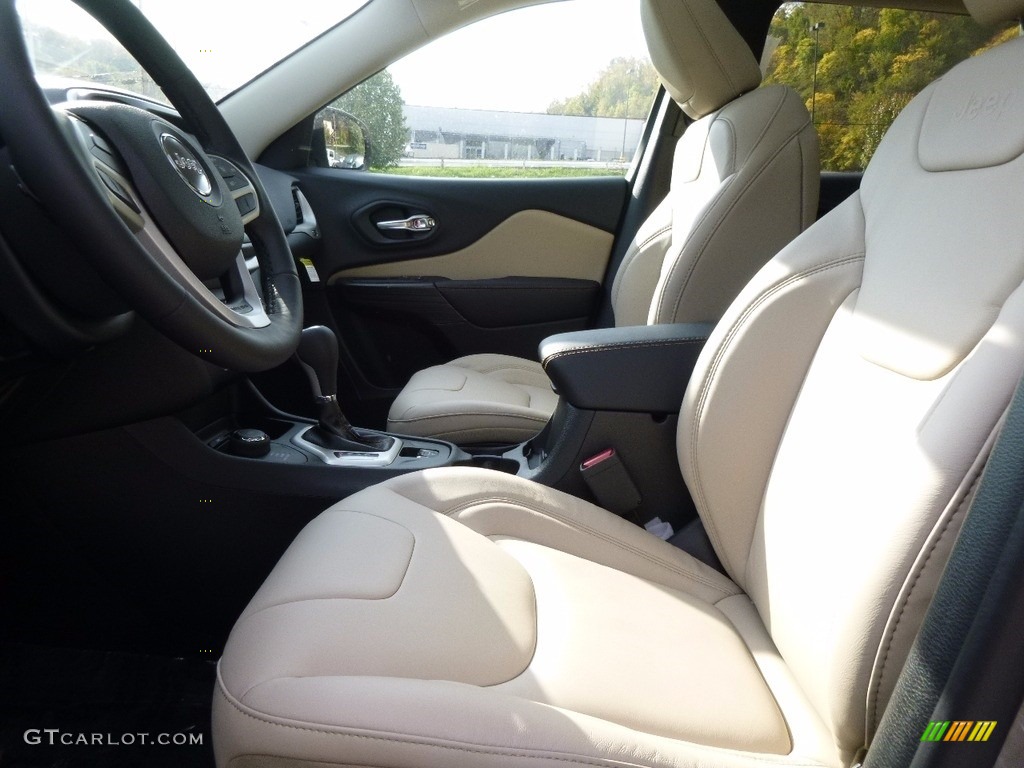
(744,183)
(844,407)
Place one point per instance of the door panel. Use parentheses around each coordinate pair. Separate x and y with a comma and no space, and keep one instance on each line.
(508,263)
(466,210)
(400,325)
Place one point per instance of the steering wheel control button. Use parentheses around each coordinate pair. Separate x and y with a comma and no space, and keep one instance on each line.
(99,149)
(187,165)
(249,443)
(234,178)
(246,203)
(119,191)
(226,169)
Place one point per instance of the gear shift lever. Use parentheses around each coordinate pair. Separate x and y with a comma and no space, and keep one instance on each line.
(318,356)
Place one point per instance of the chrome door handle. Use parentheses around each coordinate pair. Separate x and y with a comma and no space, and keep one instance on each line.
(420,222)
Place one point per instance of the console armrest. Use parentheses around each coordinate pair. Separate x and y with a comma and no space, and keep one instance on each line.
(636,368)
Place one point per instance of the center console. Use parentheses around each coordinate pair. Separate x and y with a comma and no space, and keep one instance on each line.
(611,439)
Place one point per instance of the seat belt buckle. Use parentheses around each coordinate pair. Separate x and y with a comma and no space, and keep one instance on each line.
(609,481)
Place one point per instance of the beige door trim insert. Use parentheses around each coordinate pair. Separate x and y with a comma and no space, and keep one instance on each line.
(527,244)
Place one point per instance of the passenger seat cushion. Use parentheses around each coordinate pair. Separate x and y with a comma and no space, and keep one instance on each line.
(475,399)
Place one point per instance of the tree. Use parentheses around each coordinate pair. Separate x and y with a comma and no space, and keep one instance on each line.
(871,63)
(625,88)
(377,104)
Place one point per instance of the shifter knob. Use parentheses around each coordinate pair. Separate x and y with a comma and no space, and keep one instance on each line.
(318,356)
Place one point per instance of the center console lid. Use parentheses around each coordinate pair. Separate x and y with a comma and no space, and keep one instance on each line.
(636,368)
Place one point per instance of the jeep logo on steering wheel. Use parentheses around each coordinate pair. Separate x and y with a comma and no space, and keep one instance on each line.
(186,164)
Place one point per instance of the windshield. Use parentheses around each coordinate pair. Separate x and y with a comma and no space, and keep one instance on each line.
(225,43)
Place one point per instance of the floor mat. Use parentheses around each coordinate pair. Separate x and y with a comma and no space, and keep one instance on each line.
(62,708)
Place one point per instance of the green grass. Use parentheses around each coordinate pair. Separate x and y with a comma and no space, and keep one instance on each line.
(504,172)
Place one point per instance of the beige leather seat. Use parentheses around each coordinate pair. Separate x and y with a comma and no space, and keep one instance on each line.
(744,183)
(831,437)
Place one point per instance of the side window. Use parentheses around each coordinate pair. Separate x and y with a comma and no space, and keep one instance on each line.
(559,89)
(857,67)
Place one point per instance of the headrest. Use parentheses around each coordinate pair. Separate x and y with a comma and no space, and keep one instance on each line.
(699,55)
(994,11)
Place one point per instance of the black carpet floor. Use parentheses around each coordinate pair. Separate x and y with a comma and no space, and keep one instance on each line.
(62,708)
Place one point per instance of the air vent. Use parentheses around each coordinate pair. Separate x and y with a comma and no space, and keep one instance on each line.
(298,205)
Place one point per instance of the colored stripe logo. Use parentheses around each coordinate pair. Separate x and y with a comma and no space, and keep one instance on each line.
(958,730)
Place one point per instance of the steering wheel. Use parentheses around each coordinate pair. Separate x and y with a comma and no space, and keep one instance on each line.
(158,211)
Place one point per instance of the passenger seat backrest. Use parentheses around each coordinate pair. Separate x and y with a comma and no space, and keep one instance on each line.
(744,178)
(851,392)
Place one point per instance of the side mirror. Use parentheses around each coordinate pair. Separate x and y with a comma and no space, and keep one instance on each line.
(340,140)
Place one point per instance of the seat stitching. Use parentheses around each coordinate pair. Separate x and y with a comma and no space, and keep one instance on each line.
(624,345)
(627,261)
(583,528)
(711,48)
(521,431)
(769,161)
(482,749)
(580,526)
(803,192)
(644,243)
(489,749)
(783,92)
(503,433)
(503,367)
(913,584)
(636,251)
(712,371)
(525,287)
(708,212)
(471,413)
(632,258)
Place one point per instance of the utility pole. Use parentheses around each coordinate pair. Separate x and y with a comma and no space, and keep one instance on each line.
(815,28)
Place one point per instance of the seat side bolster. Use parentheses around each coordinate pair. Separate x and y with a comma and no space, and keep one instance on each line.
(637,276)
(809,279)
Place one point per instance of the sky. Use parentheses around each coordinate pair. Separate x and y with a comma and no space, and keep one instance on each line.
(519,61)
(522,60)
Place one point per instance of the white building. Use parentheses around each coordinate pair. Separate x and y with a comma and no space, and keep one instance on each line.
(475,134)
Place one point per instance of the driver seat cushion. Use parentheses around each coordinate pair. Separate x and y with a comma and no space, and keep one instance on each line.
(744,184)
(343,653)
(476,399)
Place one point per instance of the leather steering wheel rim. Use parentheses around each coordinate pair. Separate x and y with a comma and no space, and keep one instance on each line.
(47,161)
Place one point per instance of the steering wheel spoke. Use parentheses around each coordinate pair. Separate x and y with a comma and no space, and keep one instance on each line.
(97,154)
(237,301)
(242,190)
